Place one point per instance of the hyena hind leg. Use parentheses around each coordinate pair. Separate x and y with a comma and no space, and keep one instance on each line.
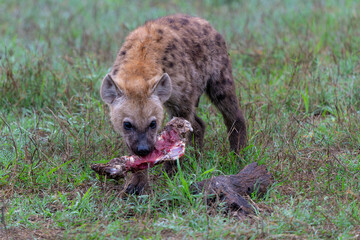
(222,94)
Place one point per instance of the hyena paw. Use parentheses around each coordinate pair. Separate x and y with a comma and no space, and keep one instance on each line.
(137,184)
(170,168)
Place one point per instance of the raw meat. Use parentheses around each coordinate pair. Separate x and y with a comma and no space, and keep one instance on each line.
(169,146)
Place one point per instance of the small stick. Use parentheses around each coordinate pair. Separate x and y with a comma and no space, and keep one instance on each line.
(3,218)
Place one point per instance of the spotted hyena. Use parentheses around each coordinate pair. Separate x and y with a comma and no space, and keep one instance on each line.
(169,63)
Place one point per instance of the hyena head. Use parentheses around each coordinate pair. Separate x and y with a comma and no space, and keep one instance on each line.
(136,111)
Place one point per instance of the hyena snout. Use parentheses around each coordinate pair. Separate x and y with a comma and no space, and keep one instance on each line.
(143,146)
(143,150)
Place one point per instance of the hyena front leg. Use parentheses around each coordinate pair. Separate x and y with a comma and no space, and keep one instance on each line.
(137,183)
(195,139)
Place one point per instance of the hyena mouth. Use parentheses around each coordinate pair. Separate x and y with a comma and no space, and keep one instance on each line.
(170,146)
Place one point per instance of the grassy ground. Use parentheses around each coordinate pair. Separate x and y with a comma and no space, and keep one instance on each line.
(297,70)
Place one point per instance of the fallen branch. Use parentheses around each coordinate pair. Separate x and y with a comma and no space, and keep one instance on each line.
(253,179)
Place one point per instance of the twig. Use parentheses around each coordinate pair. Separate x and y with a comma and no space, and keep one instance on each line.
(12,139)
(3,218)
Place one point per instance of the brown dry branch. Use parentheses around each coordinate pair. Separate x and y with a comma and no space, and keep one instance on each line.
(232,189)
(3,222)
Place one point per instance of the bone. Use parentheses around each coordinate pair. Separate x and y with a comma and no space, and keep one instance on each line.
(170,146)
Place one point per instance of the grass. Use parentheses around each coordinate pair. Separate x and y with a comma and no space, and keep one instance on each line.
(297,71)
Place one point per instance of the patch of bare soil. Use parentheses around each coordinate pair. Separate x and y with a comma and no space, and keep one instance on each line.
(24,234)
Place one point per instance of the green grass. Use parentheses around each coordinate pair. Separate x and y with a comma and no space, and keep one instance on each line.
(297,70)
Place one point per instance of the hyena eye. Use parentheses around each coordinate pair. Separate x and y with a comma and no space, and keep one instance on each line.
(128,125)
(152,124)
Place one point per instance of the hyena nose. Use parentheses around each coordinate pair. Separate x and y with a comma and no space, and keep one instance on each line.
(143,150)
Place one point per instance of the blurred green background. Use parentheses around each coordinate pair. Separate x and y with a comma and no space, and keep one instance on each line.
(296,66)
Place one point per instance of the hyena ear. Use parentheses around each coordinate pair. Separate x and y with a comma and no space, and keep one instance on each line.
(163,88)
(109,91)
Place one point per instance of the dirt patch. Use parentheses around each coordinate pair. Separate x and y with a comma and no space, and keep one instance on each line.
(23,233)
